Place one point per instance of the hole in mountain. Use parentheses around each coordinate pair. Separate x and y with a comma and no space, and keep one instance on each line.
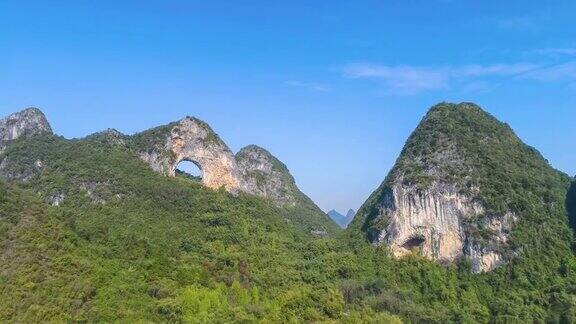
(414,242)
(189,170)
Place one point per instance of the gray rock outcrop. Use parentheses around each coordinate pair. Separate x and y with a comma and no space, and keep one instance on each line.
(265,176)
(439,222)
(439,199)
(28,122)
(190,139)
(253,170)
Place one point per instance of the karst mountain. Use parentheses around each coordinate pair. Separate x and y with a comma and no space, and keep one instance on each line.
(470,225)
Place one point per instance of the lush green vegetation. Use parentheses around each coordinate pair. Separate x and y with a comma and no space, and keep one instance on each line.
(304,212)
(463,145)
(129,245)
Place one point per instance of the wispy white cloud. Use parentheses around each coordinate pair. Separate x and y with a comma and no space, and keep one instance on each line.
(520,22)
(311,86)
(408,80)
(553,73)
(476,70)
(400,79)
(554,51)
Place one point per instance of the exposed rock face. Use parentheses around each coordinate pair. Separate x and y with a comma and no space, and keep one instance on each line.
(191,140)
(485,254)
(56,199)
(429,219)
(28,122)
(23,174)
(433,201)
(439,222)
(253,170)
(265,176)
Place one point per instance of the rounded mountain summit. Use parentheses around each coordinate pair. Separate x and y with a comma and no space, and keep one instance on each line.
(466,187)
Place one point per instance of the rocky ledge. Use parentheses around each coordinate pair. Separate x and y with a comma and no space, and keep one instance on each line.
(448,195)
(189,139)
(253,170)
(265,176)
(442,224)
(28,122)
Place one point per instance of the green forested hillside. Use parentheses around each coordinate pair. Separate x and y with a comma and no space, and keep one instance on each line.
(279,186)
(462,145)
(129,245)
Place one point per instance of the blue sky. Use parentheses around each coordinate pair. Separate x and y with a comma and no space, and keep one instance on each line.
(332,88)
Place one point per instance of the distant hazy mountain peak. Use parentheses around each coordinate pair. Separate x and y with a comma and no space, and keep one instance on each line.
(340,219)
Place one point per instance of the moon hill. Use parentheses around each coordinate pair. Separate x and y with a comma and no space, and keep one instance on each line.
(253,170)
(470,225)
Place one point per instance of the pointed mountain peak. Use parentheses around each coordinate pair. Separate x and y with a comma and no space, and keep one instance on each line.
(462,172)
(28,122)
(351,213)
(340,219)
(254,157)
(266,176)
(333,213)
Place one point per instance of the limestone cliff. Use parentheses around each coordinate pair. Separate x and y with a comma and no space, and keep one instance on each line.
(457,190)
(439,222)
(189,139)
(253,170)
(265,176)
(28,122)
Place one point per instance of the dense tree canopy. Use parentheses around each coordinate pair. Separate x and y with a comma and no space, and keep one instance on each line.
(95,235)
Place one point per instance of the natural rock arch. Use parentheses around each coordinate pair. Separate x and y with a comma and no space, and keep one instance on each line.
(190,139)
(253,170)
(189,169)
